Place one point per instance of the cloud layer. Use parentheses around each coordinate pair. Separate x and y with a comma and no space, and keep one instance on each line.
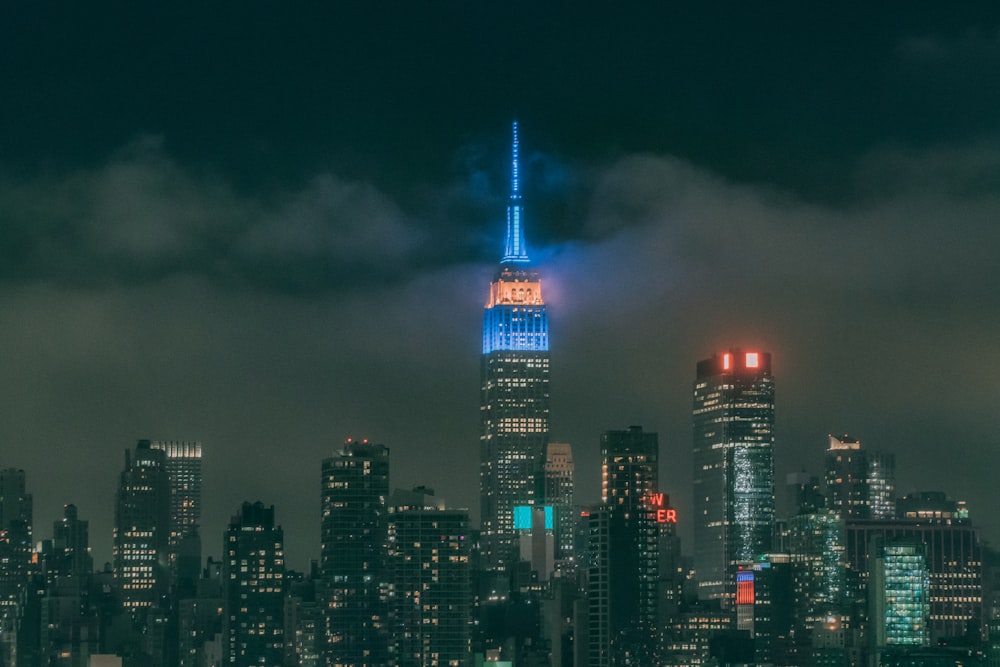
(146,298)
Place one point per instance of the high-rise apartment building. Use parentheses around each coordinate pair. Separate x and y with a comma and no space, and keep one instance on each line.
(514,411)
(355,487)
(429,575)
(140,551)
(733,466)
(254,583)
(559,474)
(183,464)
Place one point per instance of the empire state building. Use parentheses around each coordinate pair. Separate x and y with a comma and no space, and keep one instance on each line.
(514,412)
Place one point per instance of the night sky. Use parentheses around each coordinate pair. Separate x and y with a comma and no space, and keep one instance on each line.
(271,226)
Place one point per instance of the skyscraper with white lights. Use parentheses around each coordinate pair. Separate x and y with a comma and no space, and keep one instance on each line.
(733,466)
(514,412)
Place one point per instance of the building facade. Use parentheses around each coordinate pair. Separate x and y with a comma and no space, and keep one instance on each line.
(559,476)
(254,582)
(355,487)
(514,408)
(626,538)
(140,550)
(733,466)
(183,463)
(430,582)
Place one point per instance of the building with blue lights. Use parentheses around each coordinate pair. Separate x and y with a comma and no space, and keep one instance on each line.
(733,467)
(514,411)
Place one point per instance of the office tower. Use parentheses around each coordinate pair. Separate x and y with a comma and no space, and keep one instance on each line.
(142,528)
(559,472)
(899,595)
(733,466)
(817,553)
(954,557)
(183,463)
(429,581)
(71,544)
(355,486)
(625,551)
(254,580)
(514,412)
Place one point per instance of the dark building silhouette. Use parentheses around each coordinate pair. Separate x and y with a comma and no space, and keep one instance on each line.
(733,466)
(625,587)
(140,552)
(183,464)
(15,562)
(355,486)
(514,409)
(71,544)
(254,579)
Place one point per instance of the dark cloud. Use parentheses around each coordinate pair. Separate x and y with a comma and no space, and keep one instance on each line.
(880,316)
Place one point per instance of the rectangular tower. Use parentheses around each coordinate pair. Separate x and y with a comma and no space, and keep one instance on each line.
(514,409)
(633,520)
(183,461)
(559,474)
(430,579)
(733,466)
(355,486)
(254,579)
(142,528)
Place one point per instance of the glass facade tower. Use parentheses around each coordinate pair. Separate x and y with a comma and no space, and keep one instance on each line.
(514,409)
(733,466)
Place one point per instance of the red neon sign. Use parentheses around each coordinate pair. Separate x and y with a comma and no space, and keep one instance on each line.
(726,362)
(663,514)
(753,360)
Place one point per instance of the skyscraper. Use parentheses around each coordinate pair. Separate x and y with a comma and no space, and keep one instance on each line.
(559,474)
(142,528)
(625,536)
(183,464)
(860,483)
(355,486)
(733,466)
(254,580)
(514,412)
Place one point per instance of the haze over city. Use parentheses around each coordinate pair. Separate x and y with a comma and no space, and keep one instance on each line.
(270,230)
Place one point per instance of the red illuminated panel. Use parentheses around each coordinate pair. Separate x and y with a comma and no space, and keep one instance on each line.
(727,362)
(744,588)
(753,360)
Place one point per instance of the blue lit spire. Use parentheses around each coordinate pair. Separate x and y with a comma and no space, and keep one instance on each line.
(515,249)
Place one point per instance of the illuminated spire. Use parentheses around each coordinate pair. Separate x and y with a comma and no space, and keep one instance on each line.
(514,247)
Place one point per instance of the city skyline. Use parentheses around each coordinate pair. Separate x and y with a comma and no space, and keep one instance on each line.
(241,256)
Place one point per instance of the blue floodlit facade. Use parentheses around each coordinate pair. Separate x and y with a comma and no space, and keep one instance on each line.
(733,466)
(514,410)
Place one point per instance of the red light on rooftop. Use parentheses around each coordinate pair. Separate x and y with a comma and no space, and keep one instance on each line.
(727,362)
(753,360)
